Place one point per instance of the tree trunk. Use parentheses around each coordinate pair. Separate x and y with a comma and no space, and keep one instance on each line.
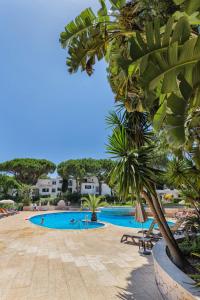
(94,217)
(100,187)
(162,217)
(77,185)
(111,191)
(64,185)
(175,253)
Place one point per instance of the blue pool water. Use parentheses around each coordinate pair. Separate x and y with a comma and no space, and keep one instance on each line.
(62,220)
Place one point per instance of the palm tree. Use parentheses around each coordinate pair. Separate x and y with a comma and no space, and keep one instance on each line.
(134,173)
(93,202)
(151,67)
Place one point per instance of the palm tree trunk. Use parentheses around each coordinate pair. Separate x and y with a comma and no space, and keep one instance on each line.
(94,217)
(175,253)
(160,221)
(162,217)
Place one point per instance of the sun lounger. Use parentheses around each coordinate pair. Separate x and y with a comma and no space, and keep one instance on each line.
(128,236)
(176,228)
(150,230)
(2,211)
(5,211)
(147,234)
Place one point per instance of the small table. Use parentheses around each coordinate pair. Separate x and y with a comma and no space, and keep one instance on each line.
(145,243)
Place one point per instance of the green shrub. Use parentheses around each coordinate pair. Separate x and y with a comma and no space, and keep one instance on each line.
(26,201)
(45,196)
(176,200)
(8,206)
(54,201)
(111,199)
(71,197)
(188,246)
(19,206)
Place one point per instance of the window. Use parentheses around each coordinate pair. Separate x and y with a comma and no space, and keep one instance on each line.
(54,182)
(58,189)
(70,182)
(53,190)
(88,187)
(60,181)
(45,190)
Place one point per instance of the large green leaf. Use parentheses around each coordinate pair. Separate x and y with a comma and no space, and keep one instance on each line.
(84,57)
(142,48)
(160,116)
(103,10)
(193,19)
(190,6)
(80,25)
(117,4)
(175,120)
(167,67)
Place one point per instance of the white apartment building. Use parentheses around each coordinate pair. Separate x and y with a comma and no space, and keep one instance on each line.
(53,186)
(90,185)
(50,186)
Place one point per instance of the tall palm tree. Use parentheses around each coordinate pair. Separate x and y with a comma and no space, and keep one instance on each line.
(93,202)
(134,174)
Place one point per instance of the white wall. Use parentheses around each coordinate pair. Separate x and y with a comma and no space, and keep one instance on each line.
(72,185)
(106,190)
(52,186)
(94,188)
(89,188)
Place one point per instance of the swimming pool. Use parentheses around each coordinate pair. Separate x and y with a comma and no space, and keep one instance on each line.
(63,221)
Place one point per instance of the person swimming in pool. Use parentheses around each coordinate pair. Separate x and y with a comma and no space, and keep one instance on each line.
(42,221)
(72,221)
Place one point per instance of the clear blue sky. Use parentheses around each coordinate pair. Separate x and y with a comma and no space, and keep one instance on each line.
(45,112)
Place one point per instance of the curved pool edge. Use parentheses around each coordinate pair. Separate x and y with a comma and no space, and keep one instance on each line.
(104,224)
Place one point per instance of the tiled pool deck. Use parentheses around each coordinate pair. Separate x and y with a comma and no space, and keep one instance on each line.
(39,264)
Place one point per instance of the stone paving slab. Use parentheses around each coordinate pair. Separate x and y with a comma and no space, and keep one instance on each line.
(38,263)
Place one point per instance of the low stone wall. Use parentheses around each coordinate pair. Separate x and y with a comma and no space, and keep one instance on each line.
(51,207)
(40,208)
(169,211)
(172,283)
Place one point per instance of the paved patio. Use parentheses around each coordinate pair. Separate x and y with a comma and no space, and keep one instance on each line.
(38,263)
